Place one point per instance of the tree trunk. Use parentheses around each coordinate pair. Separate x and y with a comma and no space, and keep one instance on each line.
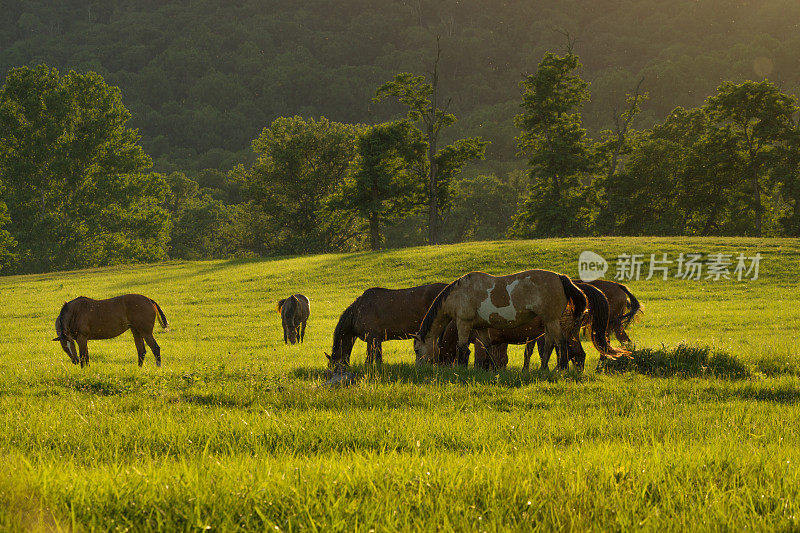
(433,201)
(757,198)
(374,223)
(374,232)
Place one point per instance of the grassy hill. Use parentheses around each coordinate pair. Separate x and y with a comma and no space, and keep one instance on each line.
(234,429)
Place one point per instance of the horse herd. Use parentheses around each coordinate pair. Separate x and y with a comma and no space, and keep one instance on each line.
(530,307)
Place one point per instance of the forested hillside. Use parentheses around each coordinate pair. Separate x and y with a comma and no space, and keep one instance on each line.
(202,78)
(139,131)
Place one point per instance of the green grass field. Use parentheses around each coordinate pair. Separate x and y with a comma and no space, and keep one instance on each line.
(235,430)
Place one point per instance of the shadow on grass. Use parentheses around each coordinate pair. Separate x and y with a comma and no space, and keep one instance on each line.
(783,393)
(433,375)
(777,366)
(100,385)
(682,361)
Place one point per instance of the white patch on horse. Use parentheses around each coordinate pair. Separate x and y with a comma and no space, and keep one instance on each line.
(487,308)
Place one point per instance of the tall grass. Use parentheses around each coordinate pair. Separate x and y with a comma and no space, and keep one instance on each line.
(236,430)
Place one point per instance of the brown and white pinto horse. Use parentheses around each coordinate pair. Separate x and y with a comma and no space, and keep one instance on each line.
(495,356)
(477,301)
(84,319)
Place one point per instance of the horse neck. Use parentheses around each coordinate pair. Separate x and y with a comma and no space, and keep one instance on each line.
(436,329)
(343,346)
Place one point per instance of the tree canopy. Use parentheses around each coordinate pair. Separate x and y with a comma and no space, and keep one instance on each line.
(77,185)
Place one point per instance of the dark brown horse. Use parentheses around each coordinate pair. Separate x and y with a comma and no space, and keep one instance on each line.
(294,312)
(495,355)
(84,319)
(380,315)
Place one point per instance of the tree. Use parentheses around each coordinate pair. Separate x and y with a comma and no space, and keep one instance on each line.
(679,179)
(611,151)
(483,207)
(383,187)
(758,116)
(77,189)
(440,166)
(7,242)
(300,163)
(557,149)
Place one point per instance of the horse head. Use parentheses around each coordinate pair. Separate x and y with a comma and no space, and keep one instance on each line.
(336,365)
(422,349)
(63,336)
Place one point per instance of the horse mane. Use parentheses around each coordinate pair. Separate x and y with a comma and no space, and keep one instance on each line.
(60,320)
(433,310)
(346,323)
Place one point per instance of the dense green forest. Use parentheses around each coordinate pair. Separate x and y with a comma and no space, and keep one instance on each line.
(212,88)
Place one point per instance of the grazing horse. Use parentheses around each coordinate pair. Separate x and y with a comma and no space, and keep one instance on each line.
(478,301)
(84,319)
(495,356)
(294,312)
(380,315)
(623,307)
(621,315)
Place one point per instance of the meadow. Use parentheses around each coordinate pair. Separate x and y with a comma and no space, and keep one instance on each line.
(237,431)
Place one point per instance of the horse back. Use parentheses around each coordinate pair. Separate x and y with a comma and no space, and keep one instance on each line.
(394,313)
(108,318)
(617,299)
(303,310)
(295,309)
(511,300)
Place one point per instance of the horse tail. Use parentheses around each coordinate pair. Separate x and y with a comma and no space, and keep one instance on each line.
(636,307)
(575,295)
(598,307)
(279,307)
(162,318)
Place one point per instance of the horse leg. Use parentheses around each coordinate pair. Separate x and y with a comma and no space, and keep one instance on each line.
(554,336)
(484,351)
(545,348)
(562,354)
(302,331)
(462,349)
(154,347)
(139,342)
(501,356)
(527,355)
(83,350)
(370,351)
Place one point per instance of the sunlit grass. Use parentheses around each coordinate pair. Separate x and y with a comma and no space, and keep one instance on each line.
(236,429)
